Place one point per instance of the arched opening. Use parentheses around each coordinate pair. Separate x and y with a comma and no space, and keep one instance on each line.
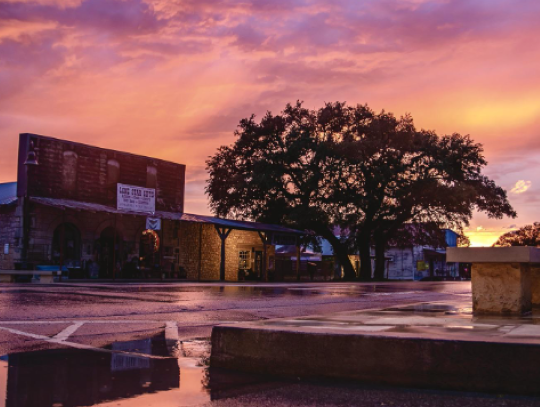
(110,252)
(69,253)
(149,251)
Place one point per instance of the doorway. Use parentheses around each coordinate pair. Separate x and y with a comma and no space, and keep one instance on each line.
(110,253)
(149,252)
(66,245)
(258,264)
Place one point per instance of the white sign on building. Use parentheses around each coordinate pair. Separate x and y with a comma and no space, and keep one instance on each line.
(135,199)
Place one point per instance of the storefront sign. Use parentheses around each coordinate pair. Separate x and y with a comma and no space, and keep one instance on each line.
(153,223)
(136,199)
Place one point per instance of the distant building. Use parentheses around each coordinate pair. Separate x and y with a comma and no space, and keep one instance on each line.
(412,262)
(415,262)
(104,213)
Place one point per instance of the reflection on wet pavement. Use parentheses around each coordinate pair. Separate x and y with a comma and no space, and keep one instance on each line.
(74,377)
(423,320)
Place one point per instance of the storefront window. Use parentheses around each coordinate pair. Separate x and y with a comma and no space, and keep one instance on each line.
(244,259)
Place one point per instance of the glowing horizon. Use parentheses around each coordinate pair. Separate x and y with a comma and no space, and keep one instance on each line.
(172,80)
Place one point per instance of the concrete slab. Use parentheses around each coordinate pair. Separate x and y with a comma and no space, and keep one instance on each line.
(432,345)
(515,254)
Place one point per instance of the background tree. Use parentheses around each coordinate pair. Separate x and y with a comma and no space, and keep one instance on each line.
(277,172)
(443,186)
(393,174)
(463,241)
(369,173)
(526,236)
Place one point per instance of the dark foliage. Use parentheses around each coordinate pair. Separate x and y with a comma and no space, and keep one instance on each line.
(370,173)
(526,236)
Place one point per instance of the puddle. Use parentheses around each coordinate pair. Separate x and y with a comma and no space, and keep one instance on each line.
(122,376)
(432,308)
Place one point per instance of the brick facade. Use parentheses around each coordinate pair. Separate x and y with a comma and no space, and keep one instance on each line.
(77,172)
(69,170)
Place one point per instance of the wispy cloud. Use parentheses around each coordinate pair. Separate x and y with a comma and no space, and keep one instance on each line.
(173,78)
(521,187)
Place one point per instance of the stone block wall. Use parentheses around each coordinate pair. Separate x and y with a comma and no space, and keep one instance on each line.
(10,228)
(200,250)
(45,219)
(501,288)
(197,246)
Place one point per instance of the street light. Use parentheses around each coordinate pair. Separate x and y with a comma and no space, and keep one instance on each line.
(31,158)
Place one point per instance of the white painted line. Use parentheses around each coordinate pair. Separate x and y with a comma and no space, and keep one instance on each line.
(66,333)
(92,321)
(79,345)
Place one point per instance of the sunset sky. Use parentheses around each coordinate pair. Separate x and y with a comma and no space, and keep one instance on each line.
(172,79)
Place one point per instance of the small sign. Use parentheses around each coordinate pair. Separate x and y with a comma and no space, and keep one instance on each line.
(135,199)
(153,223)
(6,248)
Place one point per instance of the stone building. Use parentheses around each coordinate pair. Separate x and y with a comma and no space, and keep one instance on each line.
(95,212)
(408,262)
(414,262)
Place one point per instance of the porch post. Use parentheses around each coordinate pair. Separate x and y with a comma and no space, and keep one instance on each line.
(62,243)
(297,259)
(114,250)
(223,234)
(264,271)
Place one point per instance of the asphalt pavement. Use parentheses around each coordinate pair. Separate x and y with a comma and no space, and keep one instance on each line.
(130,327)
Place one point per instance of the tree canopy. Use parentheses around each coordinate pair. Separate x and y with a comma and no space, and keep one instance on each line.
(369,173)
(528,235)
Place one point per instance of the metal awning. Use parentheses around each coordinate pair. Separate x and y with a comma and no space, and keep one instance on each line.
(183,217)
(8,193)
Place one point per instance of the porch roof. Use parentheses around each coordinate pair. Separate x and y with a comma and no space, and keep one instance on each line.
(8,193)
(183,217)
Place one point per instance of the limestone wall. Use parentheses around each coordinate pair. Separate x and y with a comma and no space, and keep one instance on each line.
(501,288)
(10,234)
(200,250)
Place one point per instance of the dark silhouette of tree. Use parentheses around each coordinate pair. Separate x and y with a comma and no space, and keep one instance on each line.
(278,171)
(526,236)
(369,173)
(442,184)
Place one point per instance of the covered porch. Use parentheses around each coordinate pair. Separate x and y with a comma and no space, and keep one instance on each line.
(97,241)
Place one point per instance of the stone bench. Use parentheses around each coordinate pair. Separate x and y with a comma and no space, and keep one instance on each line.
(505,280)
(45,277)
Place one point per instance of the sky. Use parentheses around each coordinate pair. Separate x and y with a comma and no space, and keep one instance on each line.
(172,78)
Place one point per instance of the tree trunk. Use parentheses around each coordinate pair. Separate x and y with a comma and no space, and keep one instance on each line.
(364,250)
(380,262)
(341,253)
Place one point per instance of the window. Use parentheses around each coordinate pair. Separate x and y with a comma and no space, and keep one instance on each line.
(113,172)
(151,177)
(244,259)
(69,170)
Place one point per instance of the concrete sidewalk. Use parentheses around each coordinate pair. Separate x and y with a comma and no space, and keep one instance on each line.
(430,345)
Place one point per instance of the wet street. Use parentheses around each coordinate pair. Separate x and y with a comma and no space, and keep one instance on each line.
(148,344)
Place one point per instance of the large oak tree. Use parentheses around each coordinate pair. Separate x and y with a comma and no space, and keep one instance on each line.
(369,173)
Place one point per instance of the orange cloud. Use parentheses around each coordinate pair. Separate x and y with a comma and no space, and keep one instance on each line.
(172,79)
(521,187)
